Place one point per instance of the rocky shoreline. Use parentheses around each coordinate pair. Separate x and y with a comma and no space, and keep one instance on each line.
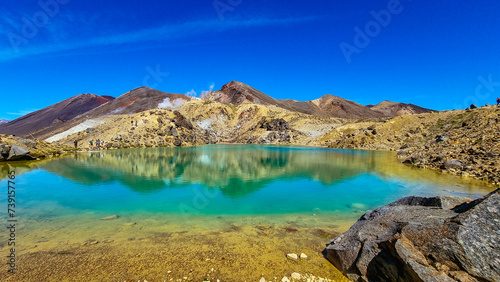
(420,239)
(14,148)
(423,239)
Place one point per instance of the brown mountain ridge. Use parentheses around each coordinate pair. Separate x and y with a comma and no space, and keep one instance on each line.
(238,93)
(71,112)
(53,115)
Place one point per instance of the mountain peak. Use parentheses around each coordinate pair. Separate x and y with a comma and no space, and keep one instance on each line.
(55,114)
(238,93)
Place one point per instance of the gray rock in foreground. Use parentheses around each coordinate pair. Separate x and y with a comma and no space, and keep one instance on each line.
(423,239)
(17,153)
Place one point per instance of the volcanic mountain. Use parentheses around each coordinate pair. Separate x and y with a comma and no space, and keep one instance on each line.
(389,108)
(84,110)
(134,101)
(239,93)
(2,121)
(53,115)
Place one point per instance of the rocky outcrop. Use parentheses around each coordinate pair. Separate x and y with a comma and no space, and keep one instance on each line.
(463,142)
(272,124)
(18,153)
(423,239)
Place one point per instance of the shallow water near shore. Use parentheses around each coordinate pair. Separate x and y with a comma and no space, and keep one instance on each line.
(225,212)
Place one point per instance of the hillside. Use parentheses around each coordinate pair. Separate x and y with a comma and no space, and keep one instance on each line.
(389,108)
(238,93)
(205,122)
(464,142)
(134,101)
(54,115)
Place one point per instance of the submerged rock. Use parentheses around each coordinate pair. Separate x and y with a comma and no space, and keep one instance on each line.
(423,239)
(111,217)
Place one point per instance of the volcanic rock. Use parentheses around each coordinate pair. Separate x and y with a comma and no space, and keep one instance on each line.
(423,239)
(17,152)
(274,124)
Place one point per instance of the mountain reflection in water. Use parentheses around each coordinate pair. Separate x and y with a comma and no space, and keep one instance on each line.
(233,169)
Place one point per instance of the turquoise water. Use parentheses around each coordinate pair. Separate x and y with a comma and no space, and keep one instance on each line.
(224,180)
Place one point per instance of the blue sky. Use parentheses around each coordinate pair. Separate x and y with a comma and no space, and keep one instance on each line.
(436,54)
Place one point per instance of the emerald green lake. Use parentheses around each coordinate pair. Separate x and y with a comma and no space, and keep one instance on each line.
(225,180)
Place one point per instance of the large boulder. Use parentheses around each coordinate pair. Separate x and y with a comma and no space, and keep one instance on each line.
(423,239)
(18,153)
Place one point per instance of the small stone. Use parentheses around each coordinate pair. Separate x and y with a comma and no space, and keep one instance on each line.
(296,275)
(130,224)
(303,256)
(262,279)
(285,279)
(292,256)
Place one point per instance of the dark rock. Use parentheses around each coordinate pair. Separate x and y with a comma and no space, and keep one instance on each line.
(177,142)
(423,239)
(402,153)
(473,106)
(17,153)
(174,132)
(4,149)
(278,124)
(452,164)
(27,142)
(161,133)
(181,121)
(284,137)
(441,138)
(116,145)
(90,129)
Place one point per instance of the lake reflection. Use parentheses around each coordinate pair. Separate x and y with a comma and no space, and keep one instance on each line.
(234,179)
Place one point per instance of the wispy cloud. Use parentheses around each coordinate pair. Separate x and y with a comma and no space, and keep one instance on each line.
(161,33)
